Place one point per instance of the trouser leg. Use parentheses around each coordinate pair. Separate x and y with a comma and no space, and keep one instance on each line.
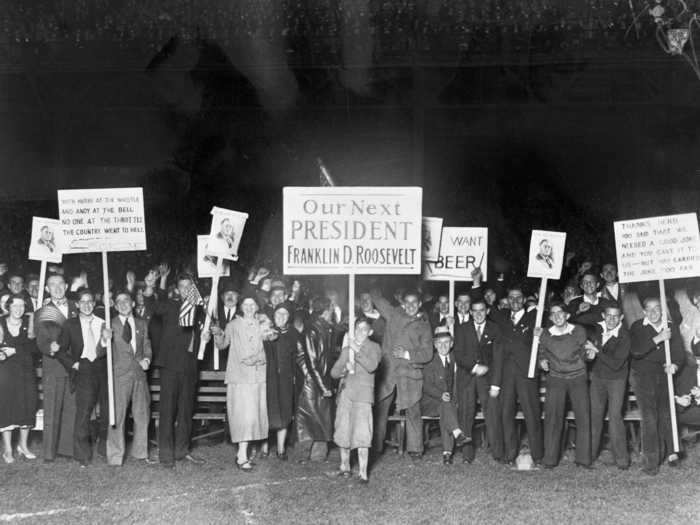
(581,405)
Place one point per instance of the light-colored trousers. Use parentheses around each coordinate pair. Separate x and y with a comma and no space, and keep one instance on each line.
(130,387)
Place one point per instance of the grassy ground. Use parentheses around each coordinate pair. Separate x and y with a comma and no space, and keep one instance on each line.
(399,491)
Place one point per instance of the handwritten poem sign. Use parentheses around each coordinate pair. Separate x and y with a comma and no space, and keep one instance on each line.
(102,219)
(666,247)
(462,250)
(343,230)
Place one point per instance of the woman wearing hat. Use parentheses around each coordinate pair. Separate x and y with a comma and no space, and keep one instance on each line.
(246,397)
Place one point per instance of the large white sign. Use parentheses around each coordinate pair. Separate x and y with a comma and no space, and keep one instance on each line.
(362,230)
(432,230)
(46,243)
(655,248)
(546,254)
(102,219)
(462,250)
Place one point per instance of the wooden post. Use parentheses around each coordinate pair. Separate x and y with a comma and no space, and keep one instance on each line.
(538,323)
(108,323)
(451,299)
(351,318)
(42,285)
(669,376)
(213,296)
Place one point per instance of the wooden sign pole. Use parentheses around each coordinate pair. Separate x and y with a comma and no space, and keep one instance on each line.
(351,318)
(42,285)
(669,376)
(451,298)
(538,323)
(210,311)
(108,323)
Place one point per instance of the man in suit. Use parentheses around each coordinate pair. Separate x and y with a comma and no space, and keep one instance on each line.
(588,309)
(439,395)
(648,379)
(406,348)
(59,401)
(439,315)
(479,359)
(177,360)
(609,384)
(463,303)
(516,331)
(612,290)
(83,355)
(131,358)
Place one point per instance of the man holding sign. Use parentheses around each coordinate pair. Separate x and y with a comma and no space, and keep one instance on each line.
(648,379)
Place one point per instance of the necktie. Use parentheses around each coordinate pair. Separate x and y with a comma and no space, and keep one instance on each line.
(479,331)
(126,333)
(90,344)
(512,317)
(446,362)
(228,314)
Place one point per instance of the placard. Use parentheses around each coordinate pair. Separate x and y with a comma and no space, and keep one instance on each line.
(432,230)
(46,243)
(343,230)
(462,250)
(546,254)
(654,248)
(102,219)
(206,264)
(226,232)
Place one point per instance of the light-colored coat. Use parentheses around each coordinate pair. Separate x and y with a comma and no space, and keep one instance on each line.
(124,358)
(246,355)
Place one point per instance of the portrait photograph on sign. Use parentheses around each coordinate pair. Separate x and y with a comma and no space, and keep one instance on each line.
(226,232)
(206,264)
(546,254)
(431,232)
(46,240)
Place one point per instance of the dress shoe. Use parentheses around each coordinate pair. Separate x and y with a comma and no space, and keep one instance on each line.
(462,440)
(583,465)
(25,453)
(446,458)
(674,460)
(194,459)
(651,471)
(167,464)
(467,460)
(245,466)
(8,457)
(149,461)
(363,481)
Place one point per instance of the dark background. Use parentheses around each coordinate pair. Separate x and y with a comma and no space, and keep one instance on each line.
(512,115)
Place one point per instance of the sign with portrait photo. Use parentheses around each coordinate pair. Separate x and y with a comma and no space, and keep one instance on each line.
(546,254)
(46,243)
(226,232)
(206,264)
(432,230)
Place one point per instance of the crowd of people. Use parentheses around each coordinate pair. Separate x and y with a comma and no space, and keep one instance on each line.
(296,373)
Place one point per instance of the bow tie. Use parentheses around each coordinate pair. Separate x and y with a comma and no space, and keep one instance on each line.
(61,302)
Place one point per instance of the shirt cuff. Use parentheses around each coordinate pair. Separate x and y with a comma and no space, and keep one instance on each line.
(496,387)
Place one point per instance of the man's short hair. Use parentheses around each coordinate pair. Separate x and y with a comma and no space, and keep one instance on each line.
(184,276)
(558,304)
(86,291)
(613,307)
(591,273)
(408,292)
(362,319)
(479,301)
(123,292)
(320,305)
(647,300)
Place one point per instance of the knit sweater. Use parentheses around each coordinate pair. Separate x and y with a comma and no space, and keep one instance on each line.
(565,352)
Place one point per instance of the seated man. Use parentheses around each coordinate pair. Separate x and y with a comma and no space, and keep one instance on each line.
(438,394)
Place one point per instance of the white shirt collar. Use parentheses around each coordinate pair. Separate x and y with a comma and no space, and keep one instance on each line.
(589,301)
(647,322)
(374,314)
(517,316)
(610,333)
(566,331)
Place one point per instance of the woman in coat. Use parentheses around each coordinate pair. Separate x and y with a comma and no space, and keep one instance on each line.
(246,395)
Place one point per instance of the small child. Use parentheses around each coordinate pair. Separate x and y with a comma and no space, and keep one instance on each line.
(353,418)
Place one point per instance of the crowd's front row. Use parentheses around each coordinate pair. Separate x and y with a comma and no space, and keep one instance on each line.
(481,357)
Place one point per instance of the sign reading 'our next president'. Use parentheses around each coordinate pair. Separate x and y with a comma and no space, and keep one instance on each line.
(352,230)
(654,248)
(102,220)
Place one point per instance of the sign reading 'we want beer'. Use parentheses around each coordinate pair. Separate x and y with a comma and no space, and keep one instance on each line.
(360,230)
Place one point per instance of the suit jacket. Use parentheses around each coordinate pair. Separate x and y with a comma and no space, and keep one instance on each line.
(612,360)
(591,317)
(175,339)
(72,344)
(48,332)
(516,339)
(124,359)
(434,319)
(469,351)
(436,381)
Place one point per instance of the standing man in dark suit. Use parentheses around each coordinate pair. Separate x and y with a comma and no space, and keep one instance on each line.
(83,354)
(439,395)
(440,315)
(463,303)
(131,357)
(59,401)
(612,290)
(588,309)
(177,360)
(609,384)
(516,330)
(479,359)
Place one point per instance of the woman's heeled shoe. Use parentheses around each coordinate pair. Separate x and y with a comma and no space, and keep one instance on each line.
(8,458)
(25,453)
(246,466)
